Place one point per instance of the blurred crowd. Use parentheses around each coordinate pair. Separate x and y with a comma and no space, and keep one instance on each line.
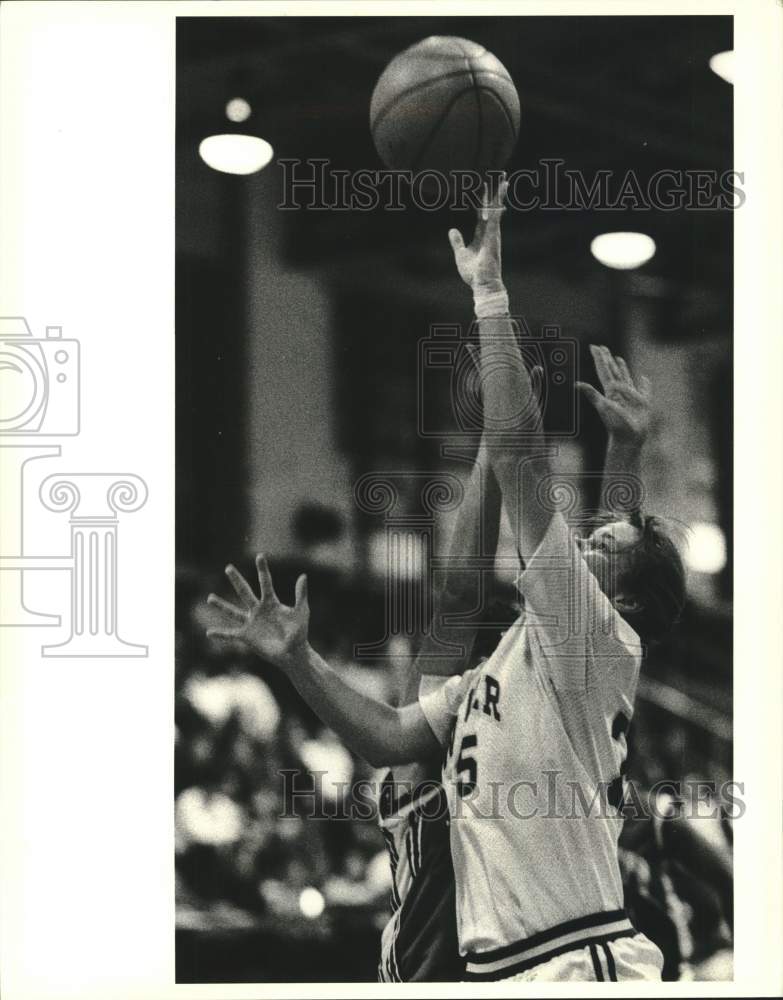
(242,837)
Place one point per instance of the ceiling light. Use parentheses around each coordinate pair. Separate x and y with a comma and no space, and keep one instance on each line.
(706,552)
(235,154)
(623,250)
(238,110)
(311,902)
(722,63)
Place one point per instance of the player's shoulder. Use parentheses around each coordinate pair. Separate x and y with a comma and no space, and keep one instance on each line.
(629,643)
(440,700)
(451,689)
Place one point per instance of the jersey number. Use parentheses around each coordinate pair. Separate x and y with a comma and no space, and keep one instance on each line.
(466,765)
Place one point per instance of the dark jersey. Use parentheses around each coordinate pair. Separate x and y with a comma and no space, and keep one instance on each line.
(419,942)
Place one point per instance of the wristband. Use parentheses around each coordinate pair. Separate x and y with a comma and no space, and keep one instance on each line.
(491,305)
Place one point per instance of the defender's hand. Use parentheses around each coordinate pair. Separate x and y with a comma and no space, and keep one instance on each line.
(479,263)
(625,407)
(274,631)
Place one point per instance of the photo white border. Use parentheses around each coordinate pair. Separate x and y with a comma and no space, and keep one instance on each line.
(87,241)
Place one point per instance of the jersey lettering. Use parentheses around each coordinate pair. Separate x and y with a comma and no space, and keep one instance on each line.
(491,697)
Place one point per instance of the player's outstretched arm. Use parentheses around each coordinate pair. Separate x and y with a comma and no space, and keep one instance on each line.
(475,532)
(278,634)
(512,418)
(625,407)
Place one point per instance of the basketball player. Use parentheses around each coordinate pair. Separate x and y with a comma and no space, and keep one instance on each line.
(419,942)
(538,896)
(535,751)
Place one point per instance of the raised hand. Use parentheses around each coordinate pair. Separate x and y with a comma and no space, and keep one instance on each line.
(275,631)
(479,263)
(625,407)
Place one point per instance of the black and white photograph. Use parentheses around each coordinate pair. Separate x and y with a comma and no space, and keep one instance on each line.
(454,301)
(382,538)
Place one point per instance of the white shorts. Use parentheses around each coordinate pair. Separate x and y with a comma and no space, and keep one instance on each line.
(616,961)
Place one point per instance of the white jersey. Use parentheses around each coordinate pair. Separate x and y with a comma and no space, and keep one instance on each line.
(534,755)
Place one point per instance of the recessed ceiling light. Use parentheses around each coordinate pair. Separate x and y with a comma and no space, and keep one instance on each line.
(235,154)
(623,251)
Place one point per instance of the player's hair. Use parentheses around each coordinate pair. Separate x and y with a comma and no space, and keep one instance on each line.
(656,578)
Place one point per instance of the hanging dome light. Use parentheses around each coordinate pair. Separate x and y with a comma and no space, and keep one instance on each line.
(233,153)
(722,63)
(623,251)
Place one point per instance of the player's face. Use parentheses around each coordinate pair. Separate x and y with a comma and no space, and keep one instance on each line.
(607,552)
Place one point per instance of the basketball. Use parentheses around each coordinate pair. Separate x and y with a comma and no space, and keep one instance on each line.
(445,104)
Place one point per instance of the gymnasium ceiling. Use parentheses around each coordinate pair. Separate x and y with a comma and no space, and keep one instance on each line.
(613,93)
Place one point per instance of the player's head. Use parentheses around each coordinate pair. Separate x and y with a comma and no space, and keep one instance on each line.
(639,568)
